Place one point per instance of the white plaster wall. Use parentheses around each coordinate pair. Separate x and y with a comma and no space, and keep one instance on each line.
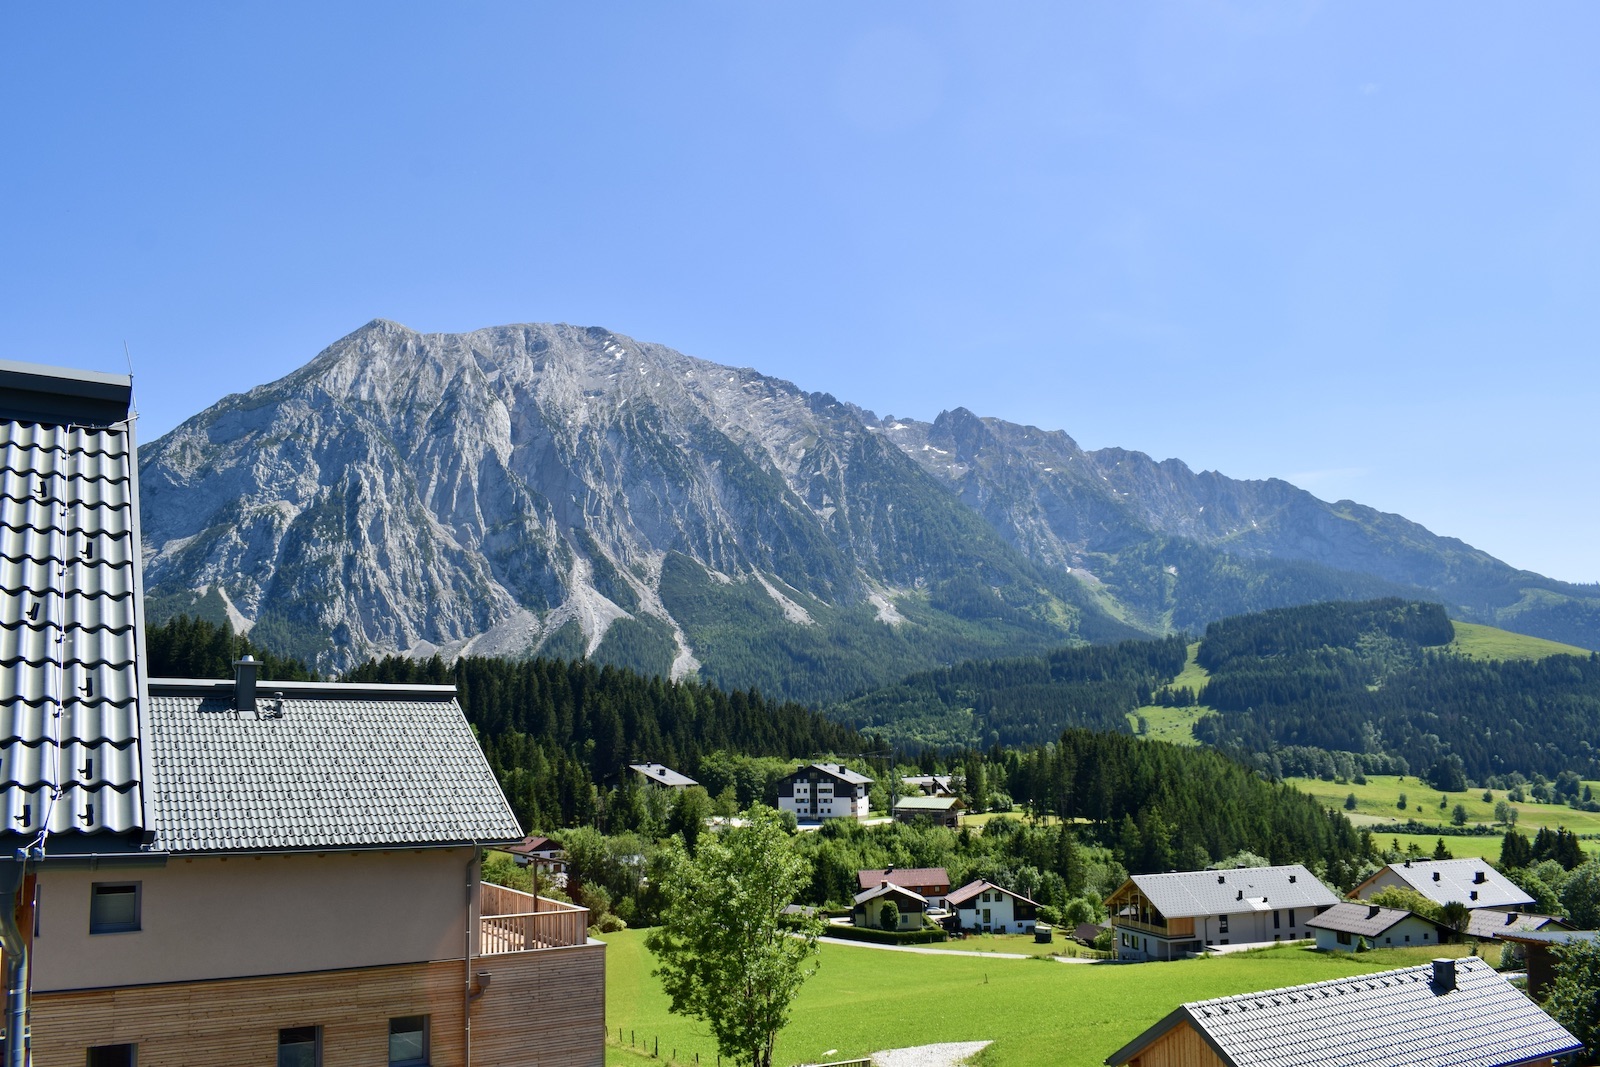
(210,917)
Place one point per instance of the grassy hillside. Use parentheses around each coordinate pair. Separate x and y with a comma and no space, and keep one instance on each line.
(1486,642)
(1175,724)
(1037,1012)
(1378,801)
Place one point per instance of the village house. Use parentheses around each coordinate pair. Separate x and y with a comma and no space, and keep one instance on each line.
(992,909)
(1166,916)
(222,872)
(820,791)
(1448,1013)
(929,785)
(1486,924)
(930,883)
(1349,926)
(940,811)
(1472,882)
(868,907)
(659,774)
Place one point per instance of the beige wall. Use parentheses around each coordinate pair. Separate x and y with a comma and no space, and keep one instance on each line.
(210,917)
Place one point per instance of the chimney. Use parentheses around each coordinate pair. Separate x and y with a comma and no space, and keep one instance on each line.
(244,683)
(1510,918)
(1221,878)
(1372,911)
(1479,878)
(1240,896)
(1435,876)
(1474,894)
(1444,975)
(1292,878)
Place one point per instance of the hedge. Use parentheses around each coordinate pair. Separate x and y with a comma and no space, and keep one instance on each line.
(886,937)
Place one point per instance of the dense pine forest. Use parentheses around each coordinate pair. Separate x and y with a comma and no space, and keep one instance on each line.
(1372,679)
(1024,701)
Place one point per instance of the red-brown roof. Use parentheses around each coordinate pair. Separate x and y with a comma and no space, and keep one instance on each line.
(531,844)
(905,877)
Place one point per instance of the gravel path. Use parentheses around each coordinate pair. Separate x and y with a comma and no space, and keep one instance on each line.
(949,1054)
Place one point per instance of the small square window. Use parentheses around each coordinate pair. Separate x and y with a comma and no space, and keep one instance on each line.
(113,907)
(113,1055)
(300,1046)
(408,1041)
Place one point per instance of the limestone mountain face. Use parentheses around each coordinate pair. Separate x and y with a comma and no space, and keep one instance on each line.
(572,491)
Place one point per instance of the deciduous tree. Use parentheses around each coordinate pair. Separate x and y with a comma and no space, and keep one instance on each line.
(725,954)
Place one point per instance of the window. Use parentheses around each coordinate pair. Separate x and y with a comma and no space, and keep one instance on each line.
(1291,917)
(1222,924)
(1277,919)
(300,1046)
(1342,937)
(113,1055)
(408,1041)
(113,907)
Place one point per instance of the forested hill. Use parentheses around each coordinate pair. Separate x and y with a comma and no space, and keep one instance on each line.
(1022,701)
(1373,678)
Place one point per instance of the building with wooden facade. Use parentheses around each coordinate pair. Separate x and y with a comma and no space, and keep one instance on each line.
(1167,916)
(1450,1013)
(221,872)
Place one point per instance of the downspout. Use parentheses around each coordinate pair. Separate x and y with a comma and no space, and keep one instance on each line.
(16,952)
(466,989)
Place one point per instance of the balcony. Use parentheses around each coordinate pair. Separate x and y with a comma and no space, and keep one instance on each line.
(513,921)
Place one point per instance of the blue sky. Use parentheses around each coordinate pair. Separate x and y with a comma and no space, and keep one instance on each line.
(1356,246)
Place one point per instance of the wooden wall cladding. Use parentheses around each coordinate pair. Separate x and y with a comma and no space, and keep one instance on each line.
(545,1008)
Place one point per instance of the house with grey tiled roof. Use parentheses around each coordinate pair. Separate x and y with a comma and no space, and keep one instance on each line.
(820,791)
(1351,926)
(215,872)
(1450,1013)
(1473,882)
(1168,916)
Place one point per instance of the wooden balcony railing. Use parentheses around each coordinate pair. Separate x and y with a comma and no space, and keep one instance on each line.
(513,921)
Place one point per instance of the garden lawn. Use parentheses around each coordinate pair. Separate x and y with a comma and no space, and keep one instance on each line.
(1036,1011)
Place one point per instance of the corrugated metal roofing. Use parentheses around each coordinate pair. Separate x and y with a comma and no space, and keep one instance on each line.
(1442,881)
(69,675)
(334,771)
(1192,893)
(1389,1019)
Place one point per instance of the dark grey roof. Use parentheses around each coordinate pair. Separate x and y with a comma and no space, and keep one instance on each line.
(1366,920)
(661,774)
(841,772)
(1389,1019)
(1488,925)
(1191,893)
(71,717)
(1442,881)
(356,766)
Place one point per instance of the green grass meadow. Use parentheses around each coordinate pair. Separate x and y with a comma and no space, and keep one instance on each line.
(1486,642)
(1175,724)
(1036,1011)
(1378,801)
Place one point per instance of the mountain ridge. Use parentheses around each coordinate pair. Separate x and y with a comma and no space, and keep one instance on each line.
(547,487)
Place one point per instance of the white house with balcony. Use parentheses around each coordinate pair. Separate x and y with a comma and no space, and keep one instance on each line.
(821,791)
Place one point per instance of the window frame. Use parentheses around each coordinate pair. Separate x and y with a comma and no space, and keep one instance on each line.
(132,1048)
(97,927)
(427,1041)
(316,1047)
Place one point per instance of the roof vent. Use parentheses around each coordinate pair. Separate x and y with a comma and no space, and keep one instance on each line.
(1444,975)
(1479,878)
(1221,878)
(1510,918)
(1292,878)
(1240,896)
(1435,876)
(244,683)
(1474,894)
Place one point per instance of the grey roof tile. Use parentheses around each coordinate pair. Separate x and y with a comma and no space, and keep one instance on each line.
(333,772)
(1368,920)
(1442,881)
(1192,893)
(1390,1019)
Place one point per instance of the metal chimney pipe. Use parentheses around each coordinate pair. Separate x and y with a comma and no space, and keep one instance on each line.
(244,683)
